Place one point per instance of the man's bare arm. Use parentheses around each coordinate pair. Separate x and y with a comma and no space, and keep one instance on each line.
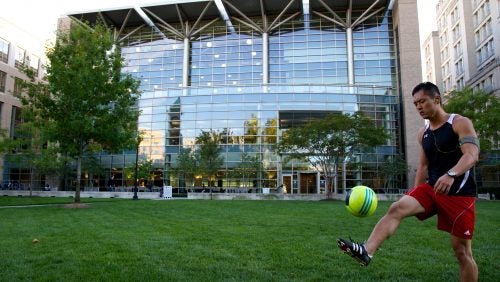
(464,128)
(421,174)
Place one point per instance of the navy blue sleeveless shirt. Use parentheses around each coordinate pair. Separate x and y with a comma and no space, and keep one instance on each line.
(442,150)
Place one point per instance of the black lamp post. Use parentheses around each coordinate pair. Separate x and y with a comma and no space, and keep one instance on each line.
(139,139)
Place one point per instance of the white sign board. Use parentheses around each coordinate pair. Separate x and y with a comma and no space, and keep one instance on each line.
(167,192)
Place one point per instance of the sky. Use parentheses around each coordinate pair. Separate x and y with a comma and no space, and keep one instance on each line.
(39,17)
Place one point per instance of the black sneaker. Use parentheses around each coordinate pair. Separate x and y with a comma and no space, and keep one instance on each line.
(356,250)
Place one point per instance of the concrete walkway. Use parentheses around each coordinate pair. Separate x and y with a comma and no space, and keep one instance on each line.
(31,206)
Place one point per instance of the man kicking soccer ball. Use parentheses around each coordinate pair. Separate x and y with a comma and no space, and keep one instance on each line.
(444,184)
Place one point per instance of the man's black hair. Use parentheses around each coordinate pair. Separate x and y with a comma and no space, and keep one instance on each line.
(428,87)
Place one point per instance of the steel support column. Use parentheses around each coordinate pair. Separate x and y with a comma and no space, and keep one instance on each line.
(185,63)
(350,57)
(265,58)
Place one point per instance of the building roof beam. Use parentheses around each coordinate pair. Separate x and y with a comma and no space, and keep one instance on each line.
(132,32)
(254,25)
(391,5)
(171,29)
(361,20)
(80,22)
(265,26)
(263,15)
(181,20)
(165,25)
(186,31)
(338,19)
(198,20)
(329,18)
(224,15)
(280,15)
(363,16)
(148,21)
(348,16)
(306,7)
(101,16)
(250,25)
(124,22)
(203,27)
(284,21)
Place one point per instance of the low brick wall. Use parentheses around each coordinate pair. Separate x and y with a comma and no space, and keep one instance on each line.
(83,194)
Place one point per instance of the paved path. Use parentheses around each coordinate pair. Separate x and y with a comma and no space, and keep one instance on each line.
(29,206)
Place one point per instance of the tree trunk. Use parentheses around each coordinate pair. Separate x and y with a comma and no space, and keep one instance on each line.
(63,179)
(344,177)
(336,190)
(329,184)
(31,181)
(78,178)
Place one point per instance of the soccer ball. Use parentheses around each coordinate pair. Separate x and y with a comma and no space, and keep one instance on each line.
(361,201)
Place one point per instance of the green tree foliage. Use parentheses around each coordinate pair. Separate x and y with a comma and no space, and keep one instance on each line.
(205,159)
(89,104)
(187,165)
(251,130)
(392,171)
(483,109)
(271,131)
(249,168)
(144,171)
(329,142)
(208,154)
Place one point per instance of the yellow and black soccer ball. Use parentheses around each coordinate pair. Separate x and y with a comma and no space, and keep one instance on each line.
(361,201)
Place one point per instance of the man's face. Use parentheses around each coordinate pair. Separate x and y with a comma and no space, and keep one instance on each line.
(426,105)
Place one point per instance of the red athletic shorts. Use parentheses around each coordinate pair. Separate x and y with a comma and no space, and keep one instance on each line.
(455,213)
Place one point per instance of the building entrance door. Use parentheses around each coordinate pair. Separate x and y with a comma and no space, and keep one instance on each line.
(287,184)
(308,183)
(290,185)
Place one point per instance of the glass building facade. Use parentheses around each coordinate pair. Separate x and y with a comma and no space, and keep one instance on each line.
(250,77)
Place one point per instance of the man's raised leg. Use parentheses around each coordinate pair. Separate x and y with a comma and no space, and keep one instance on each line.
(389,223)
(386,227)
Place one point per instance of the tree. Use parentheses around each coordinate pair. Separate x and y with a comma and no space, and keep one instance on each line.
(144,171)
(90,104)
(187,165)
(208,154)
(91,166)
(271,131)
(392,171)
(205,159)
(327,143)
(251,130)
(482,108)
(250,167)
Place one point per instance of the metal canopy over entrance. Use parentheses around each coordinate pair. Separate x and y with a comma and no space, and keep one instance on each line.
(191,11)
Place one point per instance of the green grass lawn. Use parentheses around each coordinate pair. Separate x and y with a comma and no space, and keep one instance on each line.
(185,240)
